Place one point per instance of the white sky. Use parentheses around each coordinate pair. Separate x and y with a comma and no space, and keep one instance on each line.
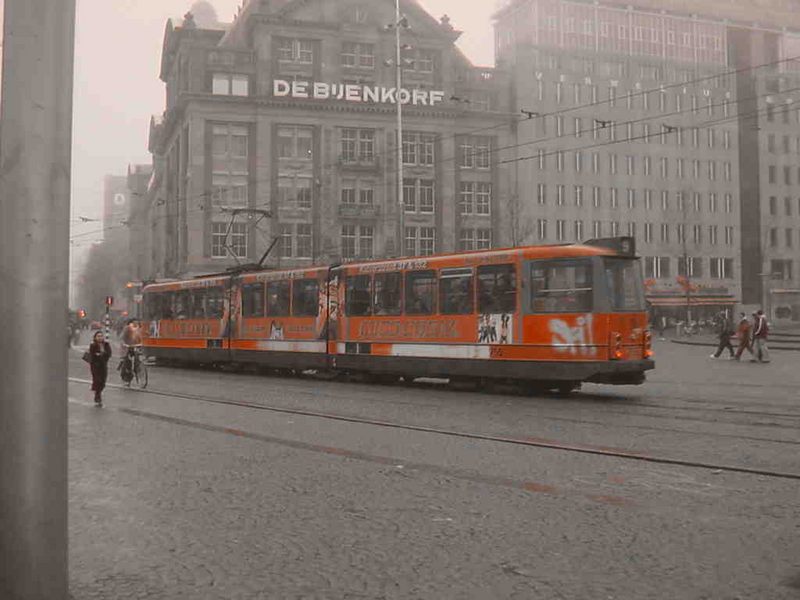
(117,88)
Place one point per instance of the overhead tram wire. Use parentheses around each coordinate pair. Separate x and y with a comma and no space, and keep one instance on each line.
(701,125)
(271,179)
(531,143)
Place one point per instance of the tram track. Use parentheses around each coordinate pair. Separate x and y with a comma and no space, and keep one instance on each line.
(547,444)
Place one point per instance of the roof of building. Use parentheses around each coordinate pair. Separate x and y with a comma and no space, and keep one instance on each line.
(771,14)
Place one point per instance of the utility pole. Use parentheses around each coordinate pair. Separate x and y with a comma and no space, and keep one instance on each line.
(35,163)
(399,85)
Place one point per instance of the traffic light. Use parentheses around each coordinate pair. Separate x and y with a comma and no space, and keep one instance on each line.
(81,314)
(109,300)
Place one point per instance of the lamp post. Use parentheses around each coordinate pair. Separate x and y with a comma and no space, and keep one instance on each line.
(35,151)
(398,85)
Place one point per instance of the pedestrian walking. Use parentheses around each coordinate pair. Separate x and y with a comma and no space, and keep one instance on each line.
(760,334)
(99,355)
(744,333)
(725,332)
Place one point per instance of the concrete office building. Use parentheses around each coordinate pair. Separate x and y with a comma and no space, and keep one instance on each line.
(290,110)
(646,130)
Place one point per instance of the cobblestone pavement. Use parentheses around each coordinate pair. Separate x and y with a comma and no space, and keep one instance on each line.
(174,498)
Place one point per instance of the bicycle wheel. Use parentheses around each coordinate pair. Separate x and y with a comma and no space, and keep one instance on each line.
(141,375)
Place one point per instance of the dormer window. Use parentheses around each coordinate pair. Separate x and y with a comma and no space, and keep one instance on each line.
(361,15)
(358,55)
(297,51)
(230,84)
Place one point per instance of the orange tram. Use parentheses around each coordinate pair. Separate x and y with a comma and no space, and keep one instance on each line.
(550,317)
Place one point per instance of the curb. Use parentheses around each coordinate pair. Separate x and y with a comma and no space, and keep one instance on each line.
(707,345)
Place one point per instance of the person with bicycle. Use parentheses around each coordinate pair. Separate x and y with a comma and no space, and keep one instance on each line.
(131,342)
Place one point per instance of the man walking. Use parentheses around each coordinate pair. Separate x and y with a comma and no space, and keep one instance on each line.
(743,332)
(760,333)
(725,333)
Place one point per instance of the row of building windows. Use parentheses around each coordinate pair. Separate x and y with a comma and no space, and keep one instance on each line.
(631,199)
(788,237)
(575,231)
(359,55)
(624,69)
(789,144)
(578,94)
(660,267)
(772,175)
(699,168)
(787,206)
(642,132)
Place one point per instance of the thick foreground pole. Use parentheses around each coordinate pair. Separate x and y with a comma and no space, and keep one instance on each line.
(35,156)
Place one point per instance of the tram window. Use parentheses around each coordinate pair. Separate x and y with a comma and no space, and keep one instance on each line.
(455,292)
(278,299)
(357,296)
(198,304)
(182,300)
(150,312)
(215,303)
(305,298)
(388,293)
(253,300)
(167,300)
(624,285)
(497,289)
(421,293)
(561,286)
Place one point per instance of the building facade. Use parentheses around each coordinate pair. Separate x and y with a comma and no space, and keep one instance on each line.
(652,121)
(281,128)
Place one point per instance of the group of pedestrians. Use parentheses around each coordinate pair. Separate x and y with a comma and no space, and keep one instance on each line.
(752,336)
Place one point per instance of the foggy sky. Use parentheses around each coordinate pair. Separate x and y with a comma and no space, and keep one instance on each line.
(118,49)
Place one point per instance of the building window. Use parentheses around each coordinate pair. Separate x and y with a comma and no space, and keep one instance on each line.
(541,228)
(712,202)
(358,145)
(729,235)
(657,267)
(418,148)
(721,268)
(229,177)
(578,231)
(664,200)
(475,239)
(424,61)
(579,195)
(712,235)
(772,173)
(665,233)
(230,84)
(648,200)
(560,161)
(560,194)
(728,203)
(648,232)
(295,142)
(357,192)
(297,51)
(474,153)
(357,241)
(773,237)
(419,195)
(228,240)
(356,54)
(596,196)
(614,198)
(631,198)
(541,194)
(612,164)
(630,165)
(561,226)
(697,234)
(295,191)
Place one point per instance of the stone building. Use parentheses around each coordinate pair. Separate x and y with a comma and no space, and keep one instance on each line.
(282,126)
(669,120)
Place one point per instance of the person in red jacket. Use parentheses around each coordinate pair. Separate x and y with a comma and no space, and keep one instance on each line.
(744,333)
(760,334)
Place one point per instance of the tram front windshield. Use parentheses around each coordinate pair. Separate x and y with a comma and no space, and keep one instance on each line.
(624,286)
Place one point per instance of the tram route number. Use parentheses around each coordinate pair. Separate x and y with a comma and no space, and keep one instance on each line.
(496,352)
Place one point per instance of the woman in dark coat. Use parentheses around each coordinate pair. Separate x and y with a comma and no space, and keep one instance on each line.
(99,355)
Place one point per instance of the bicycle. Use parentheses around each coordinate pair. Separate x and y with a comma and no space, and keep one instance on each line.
(132,367)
